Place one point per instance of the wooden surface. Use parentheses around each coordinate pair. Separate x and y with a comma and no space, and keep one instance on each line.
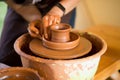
(110,61)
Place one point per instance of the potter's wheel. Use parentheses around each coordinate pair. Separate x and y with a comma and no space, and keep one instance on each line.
(81,49)
(59,42)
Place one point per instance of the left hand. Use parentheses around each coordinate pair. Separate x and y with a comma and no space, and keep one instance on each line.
(35,29)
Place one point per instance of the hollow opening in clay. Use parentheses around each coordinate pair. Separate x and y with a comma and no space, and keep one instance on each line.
(60,27)
(97,45)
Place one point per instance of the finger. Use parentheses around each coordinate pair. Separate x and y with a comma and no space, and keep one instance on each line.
(58,20)
(55,19)
(41,29)
(32,33)
(45,21)
(45,25)
(51,18)
(33,29)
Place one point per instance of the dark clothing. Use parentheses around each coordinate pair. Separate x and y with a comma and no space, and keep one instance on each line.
(14,27)
(44,8)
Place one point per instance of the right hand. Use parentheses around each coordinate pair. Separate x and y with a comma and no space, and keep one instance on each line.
(47,21)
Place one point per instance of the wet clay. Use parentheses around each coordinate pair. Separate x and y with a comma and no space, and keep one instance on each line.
(61,37)
(72,43)
(60,32)
(18,73)
(83,48)
(61,44)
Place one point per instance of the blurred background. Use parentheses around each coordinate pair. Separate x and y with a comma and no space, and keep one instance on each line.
(3,9)
(96,12)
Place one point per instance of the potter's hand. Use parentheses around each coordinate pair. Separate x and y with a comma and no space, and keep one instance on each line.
(47,21)
(35,29)
(52,17)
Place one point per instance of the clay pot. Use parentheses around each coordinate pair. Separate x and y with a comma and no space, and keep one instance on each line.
(60,32)
(18,73)
(81,68)
(62,44)
(60,37)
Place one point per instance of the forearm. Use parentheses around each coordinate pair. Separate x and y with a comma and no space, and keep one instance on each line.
(29,12)
(67,4)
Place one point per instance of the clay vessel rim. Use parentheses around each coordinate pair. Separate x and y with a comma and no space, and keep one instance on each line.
(18,70)
(38,59)
(60,30)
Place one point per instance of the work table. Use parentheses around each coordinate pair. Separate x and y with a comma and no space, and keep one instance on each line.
(110,61)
